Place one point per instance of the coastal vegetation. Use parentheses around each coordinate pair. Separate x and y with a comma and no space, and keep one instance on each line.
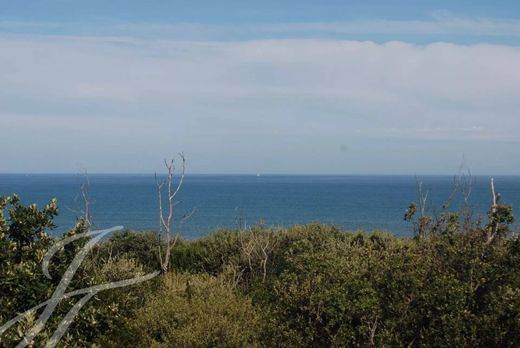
(455,283)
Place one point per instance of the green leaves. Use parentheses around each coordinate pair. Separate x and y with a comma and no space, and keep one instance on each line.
(195,311)
(26,226)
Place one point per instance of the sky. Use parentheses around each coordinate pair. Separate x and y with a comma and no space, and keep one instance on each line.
(281,87)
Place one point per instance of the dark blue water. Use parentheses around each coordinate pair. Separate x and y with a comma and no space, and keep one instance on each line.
(354,202)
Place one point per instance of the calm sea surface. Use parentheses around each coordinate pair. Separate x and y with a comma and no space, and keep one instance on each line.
(354,202)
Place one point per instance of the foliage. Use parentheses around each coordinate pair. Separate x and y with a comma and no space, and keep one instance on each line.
(196,311)
(105,315)
(143,247)
(23,243)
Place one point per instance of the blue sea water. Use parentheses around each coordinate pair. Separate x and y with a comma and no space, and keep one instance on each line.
(353,202)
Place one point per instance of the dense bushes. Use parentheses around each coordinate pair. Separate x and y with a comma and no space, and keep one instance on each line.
(326,287)
(363,290)
(196,311)
(23,244)
(143,247)
(310,286)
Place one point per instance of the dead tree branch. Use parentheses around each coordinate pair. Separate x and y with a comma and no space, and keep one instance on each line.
(85,193)
(424,220)
(166,219)
(492,231)
(373,328)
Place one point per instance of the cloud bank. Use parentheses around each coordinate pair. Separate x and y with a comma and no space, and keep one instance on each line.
(279,106)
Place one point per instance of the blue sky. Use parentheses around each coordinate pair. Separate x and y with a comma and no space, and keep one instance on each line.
(339,87)
(102,18)
(243,11)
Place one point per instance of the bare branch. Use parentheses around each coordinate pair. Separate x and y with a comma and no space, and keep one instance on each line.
(166,223)
(183,171)
(493,195)
(85,194)
(423,221)
(492,232)
(373,328)
(423,197)
(187,216)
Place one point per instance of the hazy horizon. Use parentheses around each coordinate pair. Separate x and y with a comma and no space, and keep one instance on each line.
(162,173)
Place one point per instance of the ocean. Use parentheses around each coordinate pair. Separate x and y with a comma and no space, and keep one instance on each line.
(228,201)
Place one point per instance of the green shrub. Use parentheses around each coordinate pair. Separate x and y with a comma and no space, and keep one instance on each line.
(195,311)
(141,246)
(105,315)
(322,295)
(23,243)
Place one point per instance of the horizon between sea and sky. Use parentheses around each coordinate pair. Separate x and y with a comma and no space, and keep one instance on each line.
(352,202)
(291,87)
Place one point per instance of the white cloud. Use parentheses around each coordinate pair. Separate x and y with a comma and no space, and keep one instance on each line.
(271,101)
